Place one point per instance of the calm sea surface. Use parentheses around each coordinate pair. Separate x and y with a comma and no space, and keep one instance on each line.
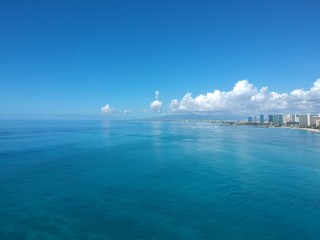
(157,180)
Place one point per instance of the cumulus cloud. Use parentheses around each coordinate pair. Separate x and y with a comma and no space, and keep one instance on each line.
(246,98)
(107,109)
(156,106)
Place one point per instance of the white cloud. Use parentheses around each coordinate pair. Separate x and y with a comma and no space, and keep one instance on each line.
(246,98)
(145,110)
(156,95)
(156,106)
(107,109)
(126,112)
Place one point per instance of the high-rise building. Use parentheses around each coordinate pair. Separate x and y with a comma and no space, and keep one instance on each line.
(275,119)
(303,121)
(270,118)
(316,121)
(310,119)
(249,119)
(287,119)
(261,119)
(295,118)
(278,119)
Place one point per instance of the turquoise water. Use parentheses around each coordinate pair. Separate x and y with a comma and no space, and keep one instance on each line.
(157,180)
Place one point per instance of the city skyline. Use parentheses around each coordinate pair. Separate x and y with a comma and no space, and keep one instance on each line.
(288,120)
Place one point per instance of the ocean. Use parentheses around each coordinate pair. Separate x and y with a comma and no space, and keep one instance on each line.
(157,180)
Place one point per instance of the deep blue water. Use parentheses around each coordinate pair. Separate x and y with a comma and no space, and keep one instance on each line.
(157,180)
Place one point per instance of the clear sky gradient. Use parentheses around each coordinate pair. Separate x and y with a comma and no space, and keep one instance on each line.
(59,58)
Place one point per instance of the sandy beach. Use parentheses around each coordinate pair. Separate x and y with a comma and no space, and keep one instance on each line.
(306,129)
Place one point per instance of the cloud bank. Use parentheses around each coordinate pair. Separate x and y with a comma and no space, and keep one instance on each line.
(243,99)
(246,98)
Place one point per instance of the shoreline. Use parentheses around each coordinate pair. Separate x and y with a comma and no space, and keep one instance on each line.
(306,129)
(315,130)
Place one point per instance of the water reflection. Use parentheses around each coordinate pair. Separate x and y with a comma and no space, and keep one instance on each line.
(156,131)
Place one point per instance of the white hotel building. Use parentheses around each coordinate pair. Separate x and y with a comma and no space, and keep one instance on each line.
(309,120)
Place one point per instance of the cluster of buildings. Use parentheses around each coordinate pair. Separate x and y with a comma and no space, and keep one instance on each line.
(294,120)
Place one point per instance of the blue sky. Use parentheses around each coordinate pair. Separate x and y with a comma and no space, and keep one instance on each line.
(59,58)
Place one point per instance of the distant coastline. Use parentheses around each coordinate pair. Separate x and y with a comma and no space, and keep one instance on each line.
(315,130)
(236,123)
